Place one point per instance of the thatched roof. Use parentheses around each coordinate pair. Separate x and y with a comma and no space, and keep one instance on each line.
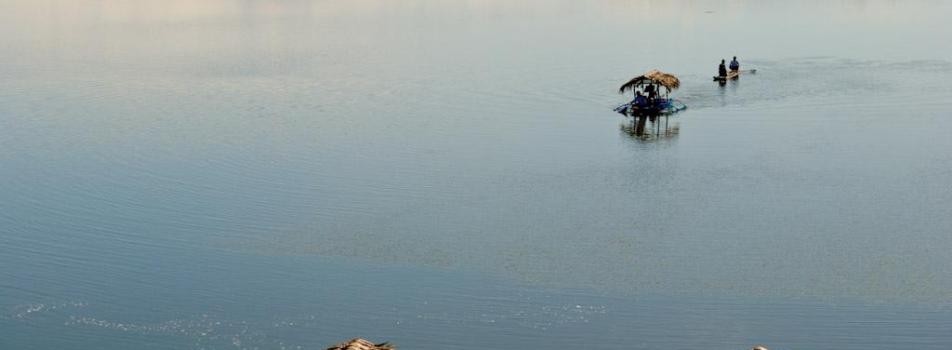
(361,344)
(653,76)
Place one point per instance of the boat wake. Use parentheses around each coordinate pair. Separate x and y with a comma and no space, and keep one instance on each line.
(819,82)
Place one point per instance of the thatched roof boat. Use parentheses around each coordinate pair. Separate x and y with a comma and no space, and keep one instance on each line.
(652,77)
(657,102)
(361,344)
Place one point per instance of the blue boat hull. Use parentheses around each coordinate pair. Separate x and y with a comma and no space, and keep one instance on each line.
(666,106)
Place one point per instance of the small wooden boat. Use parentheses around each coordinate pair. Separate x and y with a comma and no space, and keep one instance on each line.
(660,103)
(734,74)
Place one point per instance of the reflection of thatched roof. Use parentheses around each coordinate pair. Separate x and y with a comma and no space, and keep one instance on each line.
(361,344)
(669,81)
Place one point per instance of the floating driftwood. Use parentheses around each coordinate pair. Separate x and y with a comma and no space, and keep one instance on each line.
(361,344)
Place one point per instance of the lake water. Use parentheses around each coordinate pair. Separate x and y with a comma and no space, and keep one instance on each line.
(450,174)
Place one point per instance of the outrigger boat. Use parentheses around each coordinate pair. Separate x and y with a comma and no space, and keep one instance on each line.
(660,103)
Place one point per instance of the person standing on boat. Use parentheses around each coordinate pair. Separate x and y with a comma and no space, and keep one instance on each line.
(650,92)
(722,70)
(735,66)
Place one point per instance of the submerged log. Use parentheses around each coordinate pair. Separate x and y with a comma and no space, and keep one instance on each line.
(361,344)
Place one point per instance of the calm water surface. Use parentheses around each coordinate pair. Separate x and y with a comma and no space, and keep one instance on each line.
(449,174)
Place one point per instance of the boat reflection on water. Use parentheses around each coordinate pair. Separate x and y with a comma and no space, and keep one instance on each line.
(650,128)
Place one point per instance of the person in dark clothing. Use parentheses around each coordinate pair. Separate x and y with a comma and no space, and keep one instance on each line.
(650,92)
(735,66)
(722,70)
(640,100)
